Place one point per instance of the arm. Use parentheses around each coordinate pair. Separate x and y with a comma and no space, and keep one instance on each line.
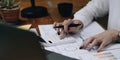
(94,9)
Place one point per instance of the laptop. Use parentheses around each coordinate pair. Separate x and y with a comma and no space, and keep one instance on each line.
(18,44)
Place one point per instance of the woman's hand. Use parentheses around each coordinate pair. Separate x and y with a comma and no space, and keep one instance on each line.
(62,31)
(101,39)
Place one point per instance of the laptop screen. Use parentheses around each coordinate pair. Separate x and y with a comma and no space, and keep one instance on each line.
(17,44)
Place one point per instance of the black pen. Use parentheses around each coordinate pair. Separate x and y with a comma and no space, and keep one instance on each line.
(71,25)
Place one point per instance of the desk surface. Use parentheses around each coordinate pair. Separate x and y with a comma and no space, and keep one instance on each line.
(51,6)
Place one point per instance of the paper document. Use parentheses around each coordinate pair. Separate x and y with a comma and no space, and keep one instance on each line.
(52,38)
(73,51)
(111,52)
(91,30)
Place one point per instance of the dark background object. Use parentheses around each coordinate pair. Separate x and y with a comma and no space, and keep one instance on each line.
(65,9)
(17,44)
(34,11)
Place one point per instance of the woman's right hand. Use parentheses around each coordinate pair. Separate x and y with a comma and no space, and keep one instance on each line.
(63,31)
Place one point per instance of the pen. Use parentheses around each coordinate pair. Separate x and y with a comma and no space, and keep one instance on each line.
(83,40)
(71,25)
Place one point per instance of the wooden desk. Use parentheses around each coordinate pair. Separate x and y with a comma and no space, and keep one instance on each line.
(51,6)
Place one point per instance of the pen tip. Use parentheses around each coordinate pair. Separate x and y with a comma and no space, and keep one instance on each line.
(58,33)
(50,41)
(81,47)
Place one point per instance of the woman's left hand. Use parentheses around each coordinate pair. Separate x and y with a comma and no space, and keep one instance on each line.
(101,39)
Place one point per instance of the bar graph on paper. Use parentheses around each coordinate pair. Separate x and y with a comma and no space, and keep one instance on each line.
(109,55)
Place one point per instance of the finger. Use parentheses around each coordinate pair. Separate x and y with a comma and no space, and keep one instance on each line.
(54,24)
(58,29)
(66,28)
(62,34)
(94,43)
(73,29)
(101,46)
(86,42)
(66,23)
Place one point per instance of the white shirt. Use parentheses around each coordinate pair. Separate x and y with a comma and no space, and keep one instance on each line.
(99,8)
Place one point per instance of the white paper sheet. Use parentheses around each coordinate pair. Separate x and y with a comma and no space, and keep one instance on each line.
(91,30)
(111,52)
(50,35)
(71,49)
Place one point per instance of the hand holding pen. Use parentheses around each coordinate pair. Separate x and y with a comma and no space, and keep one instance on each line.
(68,26)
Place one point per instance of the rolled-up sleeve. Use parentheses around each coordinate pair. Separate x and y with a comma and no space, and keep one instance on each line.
(94,9)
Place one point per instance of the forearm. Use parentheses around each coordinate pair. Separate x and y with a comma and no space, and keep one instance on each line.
(93,9)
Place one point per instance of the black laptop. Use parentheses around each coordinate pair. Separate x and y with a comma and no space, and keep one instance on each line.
(17,44)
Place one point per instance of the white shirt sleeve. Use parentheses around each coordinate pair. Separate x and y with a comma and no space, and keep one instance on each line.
(94,9)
